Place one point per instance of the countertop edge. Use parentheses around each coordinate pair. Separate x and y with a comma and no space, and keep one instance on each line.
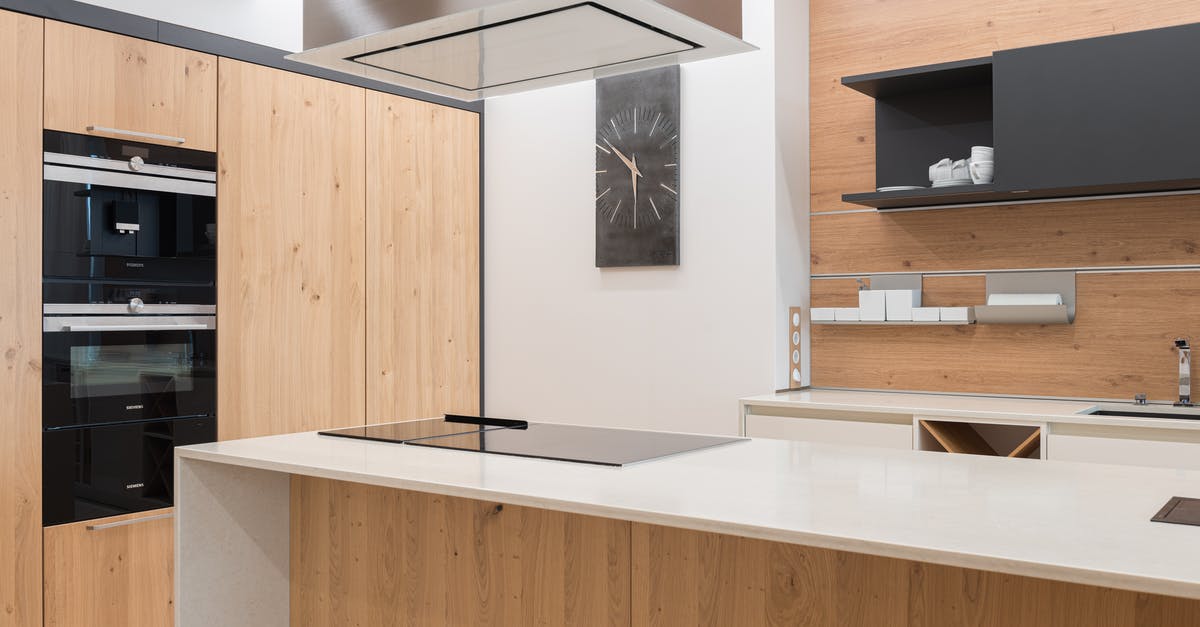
(1124,581)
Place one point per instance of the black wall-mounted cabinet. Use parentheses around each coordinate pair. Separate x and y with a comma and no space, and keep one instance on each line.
(1111,111)
(1114,114)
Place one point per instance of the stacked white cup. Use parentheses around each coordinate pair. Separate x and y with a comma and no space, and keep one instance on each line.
(982,165)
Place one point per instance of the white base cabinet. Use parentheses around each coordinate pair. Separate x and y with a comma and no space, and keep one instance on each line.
(855,432)
(1162,448)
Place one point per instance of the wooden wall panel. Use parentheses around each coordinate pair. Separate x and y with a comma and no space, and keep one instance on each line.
(1132,232)
(366,555)
(20,321)
(102,79)
(423,266)
(111,576)
(686,578)
(858,36)
(291,274)
(1120,344)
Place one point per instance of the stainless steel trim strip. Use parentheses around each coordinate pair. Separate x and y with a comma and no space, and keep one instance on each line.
(82,324)
(123,166)
(141,134)
(121,308)
(130,521)
(1078,269)
(128,181)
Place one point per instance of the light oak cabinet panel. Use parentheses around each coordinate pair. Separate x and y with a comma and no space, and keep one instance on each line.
(94,78)
(369,555)
(20,320)
(291,213)
(111,571)
(422,259)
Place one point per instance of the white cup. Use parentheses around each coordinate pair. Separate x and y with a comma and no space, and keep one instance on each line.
(982,171)
(941,170)
(959,170)
(982,153)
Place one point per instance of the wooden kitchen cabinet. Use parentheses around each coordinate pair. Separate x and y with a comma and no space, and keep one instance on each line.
(20,320)
(98,79)
(290,269)
(423,268)
(111,571)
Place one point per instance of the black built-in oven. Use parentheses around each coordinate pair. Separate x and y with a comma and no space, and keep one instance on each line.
(129,326)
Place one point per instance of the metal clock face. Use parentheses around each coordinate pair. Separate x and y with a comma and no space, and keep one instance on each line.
(637,168)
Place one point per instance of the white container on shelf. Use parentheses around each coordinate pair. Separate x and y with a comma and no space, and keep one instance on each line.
(872,305)
(955,314)
(823,314)
(847,314)
(926,314)
(900,303)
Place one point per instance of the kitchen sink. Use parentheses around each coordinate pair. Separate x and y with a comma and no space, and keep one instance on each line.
(1186,413)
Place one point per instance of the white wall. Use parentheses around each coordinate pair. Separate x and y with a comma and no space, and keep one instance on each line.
(668,348)
(275,23)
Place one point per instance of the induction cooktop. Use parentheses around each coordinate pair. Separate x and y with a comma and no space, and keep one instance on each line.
(541,440)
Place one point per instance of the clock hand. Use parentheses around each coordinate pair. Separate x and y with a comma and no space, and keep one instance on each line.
(620,155)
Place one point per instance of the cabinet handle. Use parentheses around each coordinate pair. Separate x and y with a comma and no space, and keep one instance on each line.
(131,521)
(118,131)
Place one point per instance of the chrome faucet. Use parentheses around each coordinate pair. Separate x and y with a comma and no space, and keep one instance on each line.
(1185,372)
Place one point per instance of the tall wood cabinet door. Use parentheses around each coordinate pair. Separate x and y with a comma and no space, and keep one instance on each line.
(111,571)
(422,259)
(20,320)
(290,268)
(98,79)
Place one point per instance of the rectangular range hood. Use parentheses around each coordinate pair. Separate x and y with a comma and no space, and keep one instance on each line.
(473,49)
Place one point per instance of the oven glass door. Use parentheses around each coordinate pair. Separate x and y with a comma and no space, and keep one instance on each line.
(105,231)
(100,370)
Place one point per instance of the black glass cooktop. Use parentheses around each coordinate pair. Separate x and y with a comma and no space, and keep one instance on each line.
(571,443)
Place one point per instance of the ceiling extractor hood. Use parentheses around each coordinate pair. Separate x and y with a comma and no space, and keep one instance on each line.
(473,49)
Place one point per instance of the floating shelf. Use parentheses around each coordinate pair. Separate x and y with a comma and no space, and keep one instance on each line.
(929,197)
(896,323)
(939,76)
(990,194)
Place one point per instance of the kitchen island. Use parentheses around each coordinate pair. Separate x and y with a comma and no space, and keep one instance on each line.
(305,529)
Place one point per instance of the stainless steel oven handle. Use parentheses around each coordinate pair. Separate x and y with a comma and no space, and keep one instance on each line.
(143,135)
(80,328)
(130,521)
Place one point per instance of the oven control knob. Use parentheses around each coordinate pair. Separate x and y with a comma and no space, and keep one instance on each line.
(136,164)
(136,305)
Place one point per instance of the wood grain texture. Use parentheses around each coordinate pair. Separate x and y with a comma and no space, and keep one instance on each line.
(20,321)
(957,437)
(1131,232)
(366,555)
(99,78)
(423,267)
(108,577)
(291,273)
(857,36)
(1119,345)
(689,578)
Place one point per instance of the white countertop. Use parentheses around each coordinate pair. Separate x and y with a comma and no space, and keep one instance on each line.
(972,407)
(1082,523)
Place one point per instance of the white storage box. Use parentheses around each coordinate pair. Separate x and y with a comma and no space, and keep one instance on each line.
(872,305)
(823,314)
(847,314)
(900,303)
(926,314)
(956,314)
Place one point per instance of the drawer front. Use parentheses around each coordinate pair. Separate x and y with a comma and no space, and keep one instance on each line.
(1105,449)
(111,571)
(852,432)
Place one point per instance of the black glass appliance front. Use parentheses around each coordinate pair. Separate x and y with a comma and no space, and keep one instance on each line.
(106,369)
(126,210)
(116,469)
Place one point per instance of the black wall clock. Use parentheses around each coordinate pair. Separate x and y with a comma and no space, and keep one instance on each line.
(637,169)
